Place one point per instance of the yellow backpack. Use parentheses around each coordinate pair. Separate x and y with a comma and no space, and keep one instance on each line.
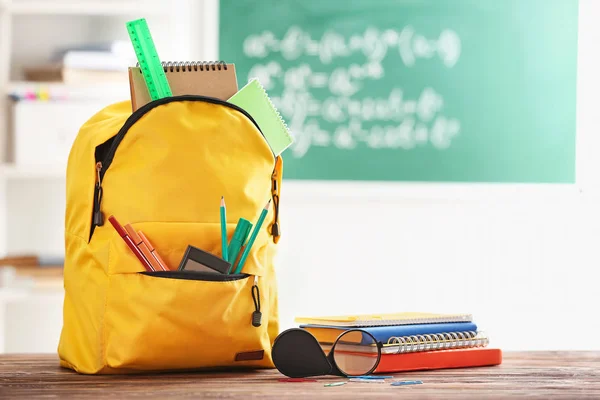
(163,169)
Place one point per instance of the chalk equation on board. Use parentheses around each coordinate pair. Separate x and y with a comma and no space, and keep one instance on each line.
(372,43)
(347,116)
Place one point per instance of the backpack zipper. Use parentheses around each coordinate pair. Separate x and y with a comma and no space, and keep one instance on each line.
(102,167)
(257,314)
(275,189)
(212,277)
(139,113)
(195,276)
(98,217)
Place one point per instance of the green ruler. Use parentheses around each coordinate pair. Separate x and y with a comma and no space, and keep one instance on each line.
(152,70)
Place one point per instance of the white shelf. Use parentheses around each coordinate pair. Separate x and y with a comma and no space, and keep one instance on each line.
(14,172)
(115,91)
(74,7)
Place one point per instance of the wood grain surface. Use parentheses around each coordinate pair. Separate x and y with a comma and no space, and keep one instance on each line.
(532,375)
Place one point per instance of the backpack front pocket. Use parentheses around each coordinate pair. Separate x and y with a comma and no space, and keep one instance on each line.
(166,320)
(157,322)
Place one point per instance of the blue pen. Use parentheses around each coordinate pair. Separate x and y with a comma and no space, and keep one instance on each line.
(402,383)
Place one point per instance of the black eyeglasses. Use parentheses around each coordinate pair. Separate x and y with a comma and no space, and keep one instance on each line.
(298,354)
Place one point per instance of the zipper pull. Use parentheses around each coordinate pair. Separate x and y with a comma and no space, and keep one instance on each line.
(275,190)
(256,315)
(98,168)
(98,217)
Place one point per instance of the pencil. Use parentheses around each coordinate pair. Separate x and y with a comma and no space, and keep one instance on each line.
(223,229)
(260,221)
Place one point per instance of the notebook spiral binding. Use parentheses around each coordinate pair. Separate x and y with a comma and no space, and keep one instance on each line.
(275,111)
(176,66)
(438,341)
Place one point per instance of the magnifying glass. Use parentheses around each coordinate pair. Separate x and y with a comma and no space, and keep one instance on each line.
(298,354)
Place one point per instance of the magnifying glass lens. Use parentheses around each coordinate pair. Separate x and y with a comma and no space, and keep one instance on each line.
(356,353)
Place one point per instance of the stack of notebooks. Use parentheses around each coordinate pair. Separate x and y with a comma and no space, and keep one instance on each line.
(413,341)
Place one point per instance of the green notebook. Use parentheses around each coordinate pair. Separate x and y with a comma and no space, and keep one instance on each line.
(254,99)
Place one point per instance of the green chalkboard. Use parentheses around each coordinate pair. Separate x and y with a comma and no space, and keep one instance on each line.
(415,90)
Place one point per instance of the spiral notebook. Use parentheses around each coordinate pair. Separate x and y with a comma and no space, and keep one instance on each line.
(435,341)
(413,343)
(254,99)
(212,79)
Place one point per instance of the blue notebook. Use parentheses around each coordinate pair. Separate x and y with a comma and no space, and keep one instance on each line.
(328,334)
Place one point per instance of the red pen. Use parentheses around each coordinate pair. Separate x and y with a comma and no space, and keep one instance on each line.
(121,231)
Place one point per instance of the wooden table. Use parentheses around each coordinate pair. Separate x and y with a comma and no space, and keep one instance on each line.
(556,375)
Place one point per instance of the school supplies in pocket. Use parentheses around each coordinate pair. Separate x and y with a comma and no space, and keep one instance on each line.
(253,235)
(129,242)
(223,216)
(242,229)
(195,259)
(153,251)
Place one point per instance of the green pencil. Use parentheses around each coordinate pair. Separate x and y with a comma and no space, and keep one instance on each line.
(263,214)
(223,230)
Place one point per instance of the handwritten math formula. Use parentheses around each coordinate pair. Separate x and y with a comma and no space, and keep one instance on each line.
(322,87)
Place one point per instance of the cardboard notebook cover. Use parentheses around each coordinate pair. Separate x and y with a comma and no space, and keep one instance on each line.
(212,80)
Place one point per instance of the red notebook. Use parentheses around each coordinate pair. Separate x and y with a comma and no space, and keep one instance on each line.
(439,359)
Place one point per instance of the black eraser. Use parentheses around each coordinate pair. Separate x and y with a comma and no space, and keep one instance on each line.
(195,259)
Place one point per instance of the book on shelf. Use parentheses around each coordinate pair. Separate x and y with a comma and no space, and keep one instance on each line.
(32,260)
(73,76)
(121,48)
(88,64)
